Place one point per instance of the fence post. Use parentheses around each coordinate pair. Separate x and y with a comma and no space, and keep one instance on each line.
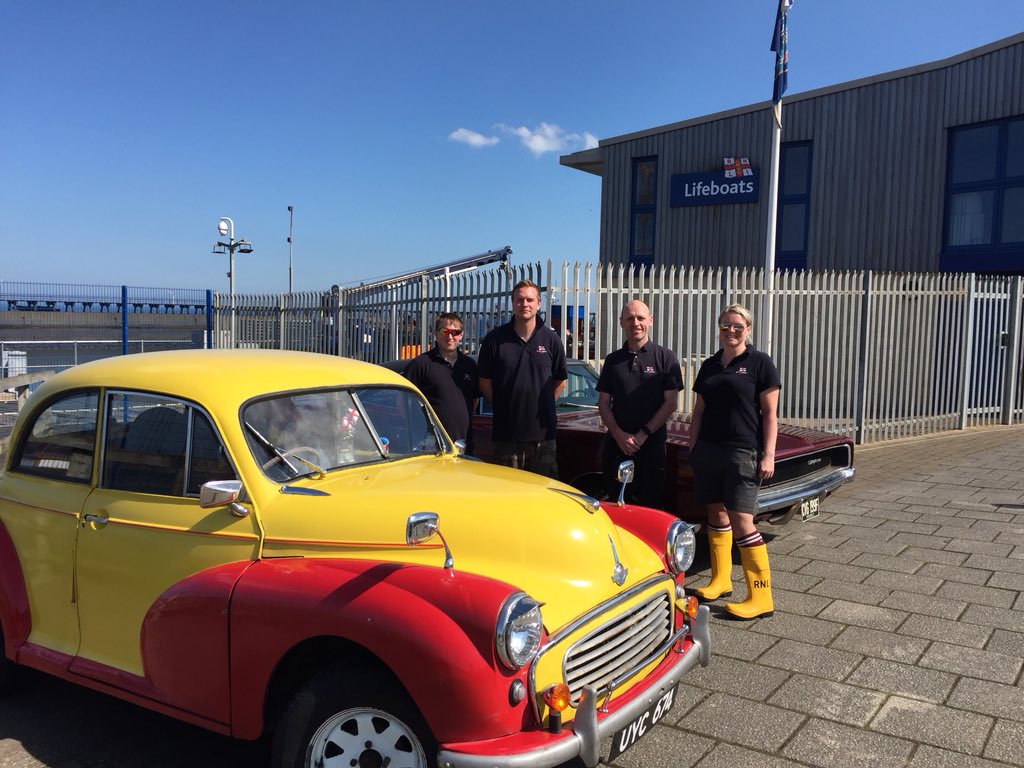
(1011,340)
(861,395)
(335,326)
(209,320)
(966,352)
(124,320)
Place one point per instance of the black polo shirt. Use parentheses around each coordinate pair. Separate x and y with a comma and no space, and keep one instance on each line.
(524,376)
(450,389)
(637,382)
(732,398)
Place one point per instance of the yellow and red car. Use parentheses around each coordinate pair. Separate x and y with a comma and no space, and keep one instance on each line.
(288,545)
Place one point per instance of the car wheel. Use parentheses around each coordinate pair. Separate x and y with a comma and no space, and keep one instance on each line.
(350,715)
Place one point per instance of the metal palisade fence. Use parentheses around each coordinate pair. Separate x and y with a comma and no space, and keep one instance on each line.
(874,355)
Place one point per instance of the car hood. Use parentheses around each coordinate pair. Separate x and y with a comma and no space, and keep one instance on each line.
(529,531)
(791,441)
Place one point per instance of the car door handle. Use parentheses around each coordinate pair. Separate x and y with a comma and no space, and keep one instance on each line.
(90,518)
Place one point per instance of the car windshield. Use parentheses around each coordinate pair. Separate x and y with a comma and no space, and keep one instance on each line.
(309,433)
(581,388)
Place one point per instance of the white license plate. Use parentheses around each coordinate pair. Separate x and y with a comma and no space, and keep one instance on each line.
(631,734)
(811,508)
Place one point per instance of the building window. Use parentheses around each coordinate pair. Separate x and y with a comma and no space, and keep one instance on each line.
(984,222)
(794,205)
(644,202)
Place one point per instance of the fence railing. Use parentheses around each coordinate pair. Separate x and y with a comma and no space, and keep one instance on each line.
(877,356)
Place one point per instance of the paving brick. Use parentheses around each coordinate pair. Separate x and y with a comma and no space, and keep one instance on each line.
(1004,580)
(729,756)
(965,534)
(903,680)
(836,570)
(913,540)
(997,598)
(889,512)
(801,603)
(781,562)
(834,745)
(796,582)
(927,604)
(744,722)
(881,645)
(932,757)
(854,520)
(686,698)
(988,698)
(986,665)
(877,534)
(958,632)
(928,555)
(1008,564)
(955,573)
(999,618)
(733,640)
(900,564)
(819,551)
(803,628)
(986,547)
(740,678)
(1006,742)
(880,546)
(848,590)
(906,582)
(933,724)
(828,663)
(828,700)
(901,526)
(946,521)
(1003,641)
(858,614)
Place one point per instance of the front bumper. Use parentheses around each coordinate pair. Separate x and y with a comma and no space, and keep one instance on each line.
(771,499)
(587,730)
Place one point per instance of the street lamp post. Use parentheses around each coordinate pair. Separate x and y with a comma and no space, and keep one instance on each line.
(291,216)
(226,228)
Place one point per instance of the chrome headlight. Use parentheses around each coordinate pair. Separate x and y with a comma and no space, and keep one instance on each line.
(517,634)
(680,546)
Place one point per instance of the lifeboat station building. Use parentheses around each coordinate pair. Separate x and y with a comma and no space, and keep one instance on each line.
(917,170)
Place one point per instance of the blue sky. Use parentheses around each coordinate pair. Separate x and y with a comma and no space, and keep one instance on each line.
(404,133)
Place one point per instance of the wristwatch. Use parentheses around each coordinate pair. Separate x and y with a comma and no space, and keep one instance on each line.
(646,430)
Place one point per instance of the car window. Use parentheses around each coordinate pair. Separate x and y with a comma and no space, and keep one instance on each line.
(61,440)
(297,434)
(580,390)
(160,445)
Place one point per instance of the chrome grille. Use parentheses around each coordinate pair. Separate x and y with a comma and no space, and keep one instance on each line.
(618,646)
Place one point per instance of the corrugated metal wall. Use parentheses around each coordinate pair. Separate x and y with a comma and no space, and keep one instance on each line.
(878,168)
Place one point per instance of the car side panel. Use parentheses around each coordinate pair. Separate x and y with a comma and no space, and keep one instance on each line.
(15,617)
(433,629)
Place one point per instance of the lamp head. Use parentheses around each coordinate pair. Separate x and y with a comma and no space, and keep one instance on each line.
(222,227)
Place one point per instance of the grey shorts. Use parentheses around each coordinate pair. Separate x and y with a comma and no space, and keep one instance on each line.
(539,457)
(726,476)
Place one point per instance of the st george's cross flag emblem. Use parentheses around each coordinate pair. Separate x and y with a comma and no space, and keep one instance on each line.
(737,166)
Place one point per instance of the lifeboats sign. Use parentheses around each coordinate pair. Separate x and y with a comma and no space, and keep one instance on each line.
(714,188)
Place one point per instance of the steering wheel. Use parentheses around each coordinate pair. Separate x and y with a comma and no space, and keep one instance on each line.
(310,454)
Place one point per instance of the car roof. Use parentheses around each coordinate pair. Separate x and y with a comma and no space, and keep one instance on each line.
(236,373)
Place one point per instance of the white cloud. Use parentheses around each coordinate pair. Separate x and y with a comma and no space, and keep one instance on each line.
(548,137)
(474,139)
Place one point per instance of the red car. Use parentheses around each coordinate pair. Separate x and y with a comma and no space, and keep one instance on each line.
(809,464)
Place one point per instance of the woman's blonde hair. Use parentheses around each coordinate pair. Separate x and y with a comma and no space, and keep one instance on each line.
(740,310)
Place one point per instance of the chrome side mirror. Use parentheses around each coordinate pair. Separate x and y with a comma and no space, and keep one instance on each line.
(421,527)
(627,470)
(222,493)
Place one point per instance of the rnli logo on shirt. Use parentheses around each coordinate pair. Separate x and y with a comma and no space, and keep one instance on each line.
(741,370)
(541,349)
(649,369)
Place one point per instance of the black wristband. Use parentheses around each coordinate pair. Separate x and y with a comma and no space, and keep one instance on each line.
(646,430)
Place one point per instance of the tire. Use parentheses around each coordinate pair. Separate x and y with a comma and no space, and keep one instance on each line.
(351,713)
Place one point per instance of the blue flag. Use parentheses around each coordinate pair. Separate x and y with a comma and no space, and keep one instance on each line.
(781,48)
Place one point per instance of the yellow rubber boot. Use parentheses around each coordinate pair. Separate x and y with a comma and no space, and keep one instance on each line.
(720,547)
(759,585)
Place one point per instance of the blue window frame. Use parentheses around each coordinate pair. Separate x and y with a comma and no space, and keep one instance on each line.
(794,205)
(984,208)
(644,203)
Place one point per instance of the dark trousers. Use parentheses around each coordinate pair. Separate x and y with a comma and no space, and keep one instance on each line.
(648,486)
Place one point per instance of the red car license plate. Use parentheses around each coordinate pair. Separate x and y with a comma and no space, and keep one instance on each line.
(629,735)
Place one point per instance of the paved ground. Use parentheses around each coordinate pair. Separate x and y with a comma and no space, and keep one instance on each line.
(898,640)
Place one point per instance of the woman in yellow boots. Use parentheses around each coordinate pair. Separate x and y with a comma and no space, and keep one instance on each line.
(732,449)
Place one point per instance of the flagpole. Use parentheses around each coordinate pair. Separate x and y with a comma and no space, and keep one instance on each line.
(773,206)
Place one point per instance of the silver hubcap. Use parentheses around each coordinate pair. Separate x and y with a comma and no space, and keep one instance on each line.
(365,738)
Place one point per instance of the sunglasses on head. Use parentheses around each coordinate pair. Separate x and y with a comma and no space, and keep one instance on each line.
(451,332)
(732,327)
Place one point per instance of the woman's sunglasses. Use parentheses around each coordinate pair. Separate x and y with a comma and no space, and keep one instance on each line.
(738,327)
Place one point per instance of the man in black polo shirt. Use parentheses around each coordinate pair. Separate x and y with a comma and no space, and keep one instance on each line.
(522,372)
(637,392)
(449,379)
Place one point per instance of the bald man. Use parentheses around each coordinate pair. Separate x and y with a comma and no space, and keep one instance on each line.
(638,391)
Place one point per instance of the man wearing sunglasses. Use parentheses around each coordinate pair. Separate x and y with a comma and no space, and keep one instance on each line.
(448,378)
